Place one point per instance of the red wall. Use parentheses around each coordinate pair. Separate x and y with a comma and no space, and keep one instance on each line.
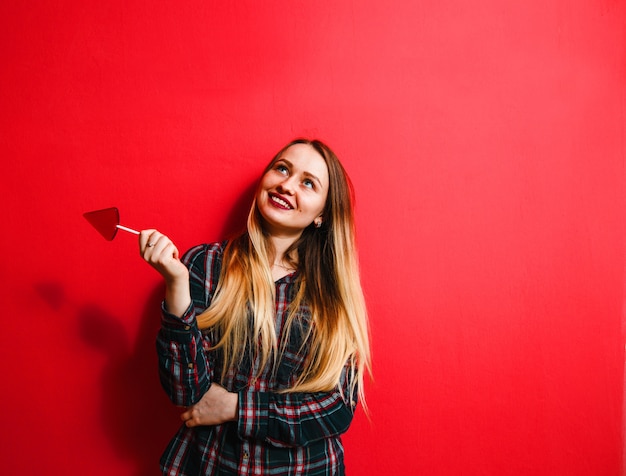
(486,143)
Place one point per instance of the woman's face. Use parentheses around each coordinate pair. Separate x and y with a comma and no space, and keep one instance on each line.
(292,194)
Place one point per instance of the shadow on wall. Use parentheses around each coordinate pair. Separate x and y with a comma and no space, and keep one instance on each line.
(236,221)
(136,415)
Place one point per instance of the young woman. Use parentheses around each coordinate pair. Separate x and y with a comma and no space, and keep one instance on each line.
(264,338)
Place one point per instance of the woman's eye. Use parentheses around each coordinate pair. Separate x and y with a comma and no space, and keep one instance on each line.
(308,183)
(282,169)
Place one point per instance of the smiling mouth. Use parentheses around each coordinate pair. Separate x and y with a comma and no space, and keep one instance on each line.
(280,202)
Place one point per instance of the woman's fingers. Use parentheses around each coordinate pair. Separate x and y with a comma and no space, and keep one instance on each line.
(147,239)
(216,406)
(160,253)
(154,246)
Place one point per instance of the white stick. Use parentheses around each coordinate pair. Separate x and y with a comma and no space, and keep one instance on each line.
(129,230)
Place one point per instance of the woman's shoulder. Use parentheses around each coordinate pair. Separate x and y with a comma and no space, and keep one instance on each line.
(204,252)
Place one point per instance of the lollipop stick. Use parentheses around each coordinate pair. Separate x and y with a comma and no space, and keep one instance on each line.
(129,230)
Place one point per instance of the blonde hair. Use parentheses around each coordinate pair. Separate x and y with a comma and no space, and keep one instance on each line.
(329,285)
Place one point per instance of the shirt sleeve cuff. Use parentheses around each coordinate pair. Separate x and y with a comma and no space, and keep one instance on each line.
(170,321)
(253,414)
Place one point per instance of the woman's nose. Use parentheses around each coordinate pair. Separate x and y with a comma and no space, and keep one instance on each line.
(287,186)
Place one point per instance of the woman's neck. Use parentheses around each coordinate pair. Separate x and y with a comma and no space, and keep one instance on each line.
(280,245)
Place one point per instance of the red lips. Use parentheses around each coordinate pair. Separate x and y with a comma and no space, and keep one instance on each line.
(280,201)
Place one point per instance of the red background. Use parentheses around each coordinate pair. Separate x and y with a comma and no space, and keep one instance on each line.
(486,143)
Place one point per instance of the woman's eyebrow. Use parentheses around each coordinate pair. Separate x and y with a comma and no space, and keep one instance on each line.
(306,174)
(311,176)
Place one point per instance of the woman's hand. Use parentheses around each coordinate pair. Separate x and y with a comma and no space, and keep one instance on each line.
(160,253)
(216,406)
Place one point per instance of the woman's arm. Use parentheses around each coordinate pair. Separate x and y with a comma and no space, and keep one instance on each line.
(296,419)
(184,368)
(282,420)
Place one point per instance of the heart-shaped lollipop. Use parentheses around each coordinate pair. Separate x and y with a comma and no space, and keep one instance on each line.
(107,222)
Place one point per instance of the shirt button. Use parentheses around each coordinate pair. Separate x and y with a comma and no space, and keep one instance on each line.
(246,455)
(187,328)
(190,366)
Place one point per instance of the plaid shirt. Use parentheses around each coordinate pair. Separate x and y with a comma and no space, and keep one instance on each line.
(280,434)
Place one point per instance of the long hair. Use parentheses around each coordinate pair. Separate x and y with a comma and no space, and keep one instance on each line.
(329,285)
